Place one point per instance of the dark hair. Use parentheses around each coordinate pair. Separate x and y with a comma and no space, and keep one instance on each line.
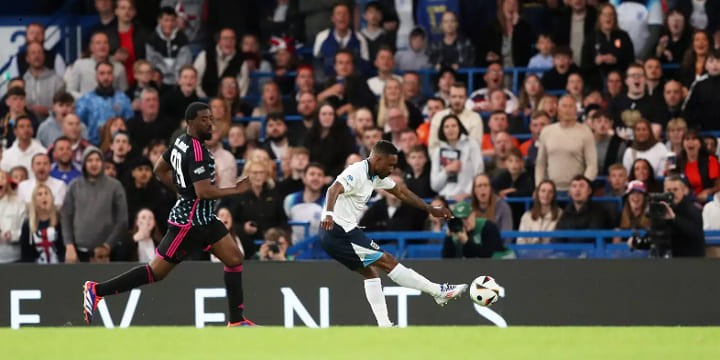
(581,177)
(336,129)
(651,184)
(374,128)
(417,148)
(714,53)
(461,128)
(316,165)
(16,91)
(32,160)
(516,153)
(447,69)
(187,67)
(22,117)
(344,51)
(104,62)
(601,114)
(500,112)
(121,132)
(418,31)
(436,98)
(62,138)
(690,57)
(385,47)
(459,84)
(154,143)
(167,10)
(275,116)
(562,50)
(547,35)
(711,138)
(341,4)
(373,4)
(384,148)
(636,66)
(702,151)
(193,109)
(63,97)
(535,209)
(538,113)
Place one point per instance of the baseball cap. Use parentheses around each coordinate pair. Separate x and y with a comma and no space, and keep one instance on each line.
(635,185)
(462,210)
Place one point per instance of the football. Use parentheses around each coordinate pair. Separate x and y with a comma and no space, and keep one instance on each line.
(484,290)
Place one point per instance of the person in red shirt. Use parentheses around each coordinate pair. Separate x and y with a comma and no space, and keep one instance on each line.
(701,169)
(498,123)
(127,41)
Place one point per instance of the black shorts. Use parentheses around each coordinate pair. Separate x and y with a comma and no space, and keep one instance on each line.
(352,249)
(179,241)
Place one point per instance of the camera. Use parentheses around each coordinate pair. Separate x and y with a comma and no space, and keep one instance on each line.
(274,248)
(657,239)
(656,208)
(456,225)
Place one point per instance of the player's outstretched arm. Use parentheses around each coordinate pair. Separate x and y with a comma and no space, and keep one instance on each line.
(207,191)
(332,194)
(164,173)
(402,192)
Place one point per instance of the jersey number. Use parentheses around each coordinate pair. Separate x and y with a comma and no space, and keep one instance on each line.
(176,162)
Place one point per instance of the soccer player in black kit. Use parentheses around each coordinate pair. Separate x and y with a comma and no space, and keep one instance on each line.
(188,168)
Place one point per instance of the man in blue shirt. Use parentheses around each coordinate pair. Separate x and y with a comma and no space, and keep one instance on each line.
(62,166)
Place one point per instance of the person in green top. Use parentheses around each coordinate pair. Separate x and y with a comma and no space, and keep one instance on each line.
(471,236)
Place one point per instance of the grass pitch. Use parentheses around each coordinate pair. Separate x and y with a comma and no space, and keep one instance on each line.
(362,343)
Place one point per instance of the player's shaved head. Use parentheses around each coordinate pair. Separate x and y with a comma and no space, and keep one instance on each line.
(383,158)
(193,109)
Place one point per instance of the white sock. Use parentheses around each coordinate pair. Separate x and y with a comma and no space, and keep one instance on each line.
(374,295)
(411,279)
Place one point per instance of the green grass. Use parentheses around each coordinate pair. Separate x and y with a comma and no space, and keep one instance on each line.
(347,343)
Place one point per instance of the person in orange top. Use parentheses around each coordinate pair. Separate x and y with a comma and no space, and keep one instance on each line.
(538,120)
(498,123)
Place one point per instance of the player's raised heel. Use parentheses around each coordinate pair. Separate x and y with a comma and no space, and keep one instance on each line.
(449,292)
(90,300)
(245,322)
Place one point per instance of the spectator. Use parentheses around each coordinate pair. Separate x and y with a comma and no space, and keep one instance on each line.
(530,95)
(384,63)
(675,131)
(456,161)
(373,32)
(41,83)
(647,147)
(573,25)
(261,207)
(563,66)
(711,144)
(144,191)
(692,66)
(51,128)
(96,107)
(120,155)
(41,175)
(636,101)
(18,174)
(483,232)
(397,123)
(417,172)
(701,168)
(330,141)
(543,60)
(107,131)
(673,97)
(109,168)
(508,39)
(72,128)
(486,204)
(12,214)
(148,124)
(370,137)
(704,96)
(347,90)
(306,205)
(538,121)
(674,39)
(247,248)
(617,181)
(408,139)
(480,99)
(227,62)
(414,58)
(453,50)
(275,246)
(503,144)
(230,93)
(361,120)
(392,97)
(83,74)
(225,165)
(283,51)
(543,215)
(446,78)
(145,237)
(12,83)
(127,40)
(610,148)
(498,123)
(391,214)
(271,102)
(470,120)
(23,149)
(633,216)
(41,236)
(16,109)
(566,148)
(433,106)
(436,224)
(514,181)
(711,212)
(253,62)
(614,85)
(411,89)
(174,102)
(582,213)
(98,197)
(276,139)
(191,20)
(167,48)
(62,167)
(143,73)
(154,150)
(293,181)
(306,107)
(106,15)
(575,88)
(642,170)
(340,36)
(549,104)
(304,82)
(610,48)
(654,81)
(643,22)
(35,33)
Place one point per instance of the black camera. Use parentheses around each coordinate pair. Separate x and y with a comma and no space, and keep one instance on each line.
(274,248)
(657,239)
(656,209)
(456,225)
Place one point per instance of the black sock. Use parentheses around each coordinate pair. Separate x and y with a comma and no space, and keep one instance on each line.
(233,285)
(136,277)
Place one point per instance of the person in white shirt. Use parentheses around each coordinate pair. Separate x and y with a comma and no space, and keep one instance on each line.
(12,214)
(645,146)
(225,165)
(470,119)
(341,238)
(41,175)
(456,162)
(711,213)
(23,148)
(306,205)
(384,62)
(81,78)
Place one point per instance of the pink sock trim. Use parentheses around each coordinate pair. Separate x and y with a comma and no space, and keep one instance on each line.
(233,269)
(151,279)
(158,254)
(207,248)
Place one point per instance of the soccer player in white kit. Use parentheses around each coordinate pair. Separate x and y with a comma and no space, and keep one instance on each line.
(341,238)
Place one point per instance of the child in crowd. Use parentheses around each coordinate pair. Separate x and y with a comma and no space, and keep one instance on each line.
(543,59)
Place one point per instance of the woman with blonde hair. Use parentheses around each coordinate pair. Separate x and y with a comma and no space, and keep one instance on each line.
(543,215)
(12,214)
(549,104)
(392,96)
(41,237)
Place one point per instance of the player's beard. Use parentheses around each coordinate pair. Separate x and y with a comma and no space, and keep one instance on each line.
(206,136)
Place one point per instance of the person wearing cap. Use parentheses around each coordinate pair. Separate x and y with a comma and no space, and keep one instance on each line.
(478,237)
(633,214)
(144,191)
(100,199)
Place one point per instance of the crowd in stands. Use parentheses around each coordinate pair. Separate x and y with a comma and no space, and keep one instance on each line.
(598,115)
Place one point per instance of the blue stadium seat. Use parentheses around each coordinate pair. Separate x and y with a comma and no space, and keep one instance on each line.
(424,251)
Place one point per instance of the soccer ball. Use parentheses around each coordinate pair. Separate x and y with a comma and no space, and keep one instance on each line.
(484,291)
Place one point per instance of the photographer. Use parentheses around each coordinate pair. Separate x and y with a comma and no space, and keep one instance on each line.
(676,231)
(469,236)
